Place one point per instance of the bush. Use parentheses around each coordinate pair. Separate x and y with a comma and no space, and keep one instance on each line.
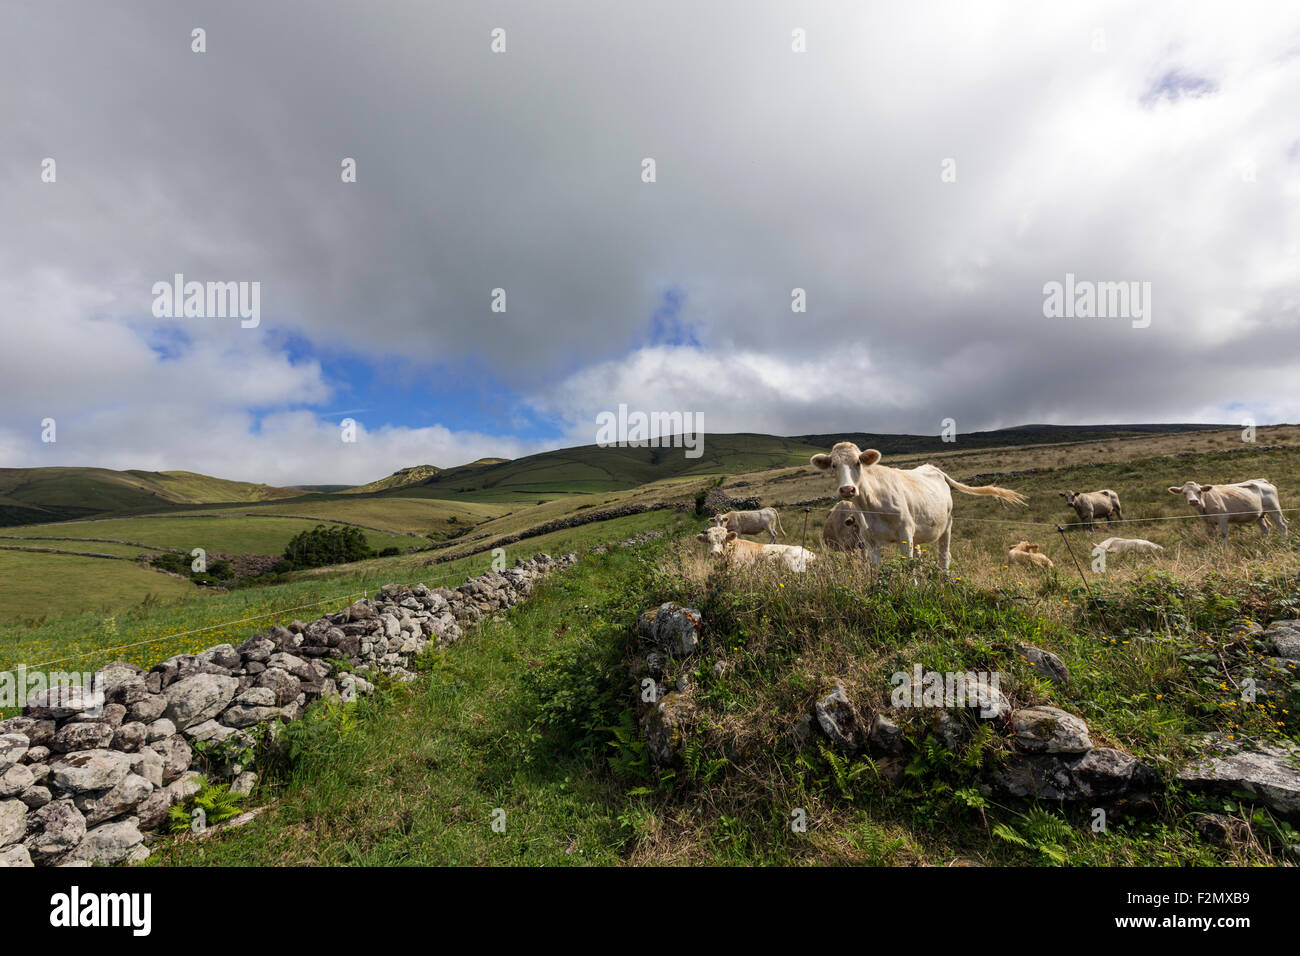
(324,545)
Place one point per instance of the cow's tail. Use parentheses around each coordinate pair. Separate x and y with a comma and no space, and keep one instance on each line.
(779,529)
(990,491)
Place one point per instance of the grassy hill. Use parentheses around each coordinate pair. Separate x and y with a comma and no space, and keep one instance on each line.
(401,478)
(38,495)
(588,469)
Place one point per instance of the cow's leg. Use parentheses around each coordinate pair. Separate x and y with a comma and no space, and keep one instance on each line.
(945,545)
(1279,521)
(1262,521)
(1223,526)
(772,531)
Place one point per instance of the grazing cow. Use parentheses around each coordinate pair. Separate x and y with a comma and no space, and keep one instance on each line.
(904,506)
(1091,505)
(840,532)
(1128,545)
(731,547)
(751,522)
(1220,505)
(1026,553)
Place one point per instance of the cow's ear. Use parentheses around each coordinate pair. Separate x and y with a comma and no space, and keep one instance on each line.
(1033,547)
(869,457)
(1205,488)
(701,537)
(731,536)
(848,519)
(1063,494)
(821,461)
(1175,491)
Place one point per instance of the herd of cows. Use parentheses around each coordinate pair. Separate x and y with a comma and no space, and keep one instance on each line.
(880,505)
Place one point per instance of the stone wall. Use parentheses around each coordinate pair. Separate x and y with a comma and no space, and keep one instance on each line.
(86,774)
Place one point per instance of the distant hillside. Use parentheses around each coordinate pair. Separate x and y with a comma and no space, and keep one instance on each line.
(36,495)
(398,479)
(590,468)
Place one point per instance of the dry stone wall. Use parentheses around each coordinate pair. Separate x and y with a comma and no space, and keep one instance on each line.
(87,773)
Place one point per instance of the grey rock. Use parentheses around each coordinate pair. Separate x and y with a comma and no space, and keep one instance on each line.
(54,829)
(15,780)
(60,703)
(13,821)
(148,709)
(13,747)
(662,726)
(671,627)
(158,729)
(1284,639)
(285,686)
(176,755)
(89,770)
(193,699)
(122,683)
(108,843)
(130,736)
(839,720)
(82,735)
(1045,663)
(1047,729)
(36,797)
(885,736)
(1268,772)
(15,856)
(121,799)
(148,764)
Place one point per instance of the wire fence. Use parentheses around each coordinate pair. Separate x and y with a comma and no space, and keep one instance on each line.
(198,630)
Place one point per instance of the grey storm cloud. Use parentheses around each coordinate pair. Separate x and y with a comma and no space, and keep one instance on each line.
(1149,143)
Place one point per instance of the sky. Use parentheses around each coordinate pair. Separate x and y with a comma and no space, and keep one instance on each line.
(921,171)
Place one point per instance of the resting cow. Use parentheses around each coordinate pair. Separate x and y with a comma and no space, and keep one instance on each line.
(731,547)
(903,506)
(1128,545)
(1026,553)
(751,522)
(1091,505)
(1246,501)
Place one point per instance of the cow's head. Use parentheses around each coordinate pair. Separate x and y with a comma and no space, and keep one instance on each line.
(1024,546)
(1194,493)
(717,539)
(1069,497)
(847,463)
(718,520)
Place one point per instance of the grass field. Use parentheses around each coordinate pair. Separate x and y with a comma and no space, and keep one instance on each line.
(530,715)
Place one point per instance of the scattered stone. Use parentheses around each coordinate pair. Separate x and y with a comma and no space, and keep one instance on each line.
(1047,729)
(839,720)
(1045,663)
(1268,772)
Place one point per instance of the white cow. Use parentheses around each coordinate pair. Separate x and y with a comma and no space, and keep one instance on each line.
(1246,501)
(903,506)
(1128,545)
(751,522)
(840,532)
(731,547)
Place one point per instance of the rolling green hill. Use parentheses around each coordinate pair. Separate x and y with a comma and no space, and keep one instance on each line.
(590,468)
(398,479)
(39,495)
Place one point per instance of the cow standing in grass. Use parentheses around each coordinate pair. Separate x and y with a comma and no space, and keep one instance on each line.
(1246,501)
(905,507)
(1091,505)
(751,522)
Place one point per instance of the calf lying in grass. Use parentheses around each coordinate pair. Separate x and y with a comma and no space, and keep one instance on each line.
(1128,545)
(729,546)
(1026,553)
